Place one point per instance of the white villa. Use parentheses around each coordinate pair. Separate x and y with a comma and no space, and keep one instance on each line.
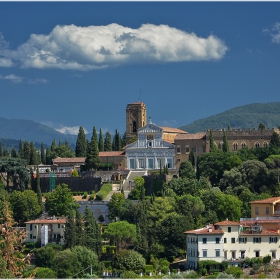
(150,151)
(231,241)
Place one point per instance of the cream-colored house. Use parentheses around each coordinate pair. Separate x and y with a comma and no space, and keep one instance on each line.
(231,241)
(54,228)
(266,207)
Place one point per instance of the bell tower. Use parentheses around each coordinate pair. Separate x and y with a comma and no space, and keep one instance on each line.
(136,117)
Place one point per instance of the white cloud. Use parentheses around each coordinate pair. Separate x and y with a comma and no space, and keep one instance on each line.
(94,47)
(274,33)
(70,130)
(13,78)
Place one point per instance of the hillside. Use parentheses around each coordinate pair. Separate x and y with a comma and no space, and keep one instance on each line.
(27,130)
(243,117)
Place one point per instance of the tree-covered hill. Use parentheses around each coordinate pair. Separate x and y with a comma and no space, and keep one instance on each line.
(243,117)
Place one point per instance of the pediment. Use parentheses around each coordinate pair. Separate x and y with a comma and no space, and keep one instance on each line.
(150,128)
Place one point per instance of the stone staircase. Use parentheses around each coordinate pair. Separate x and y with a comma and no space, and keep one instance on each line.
(130,177)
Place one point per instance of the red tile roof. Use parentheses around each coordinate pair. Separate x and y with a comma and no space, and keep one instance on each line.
(48,221)
(271,200)
(263,232)
(227,223)
(111,154)
(206,230)
(172,129)
(196,136)
(73,160)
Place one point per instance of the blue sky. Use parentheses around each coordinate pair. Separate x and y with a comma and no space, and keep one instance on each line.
(71,64)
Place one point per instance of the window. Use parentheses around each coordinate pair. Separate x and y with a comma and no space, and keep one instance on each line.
(225,240)
(150,163)
(150,137)
(267,210)
(131,164)
(178,149)
(232,240)
(204,253)
(243,145)
(242,239)
(257,145)
(257,254)
(273,239)
(235,146)
(141,163)
(34,237)
(265,144)
(273,254)
(233,254)
(58,225)
(30,236)
(30,226)
(169,163)
(257,210)
(217,240)
(229,229)
(257,239)
(204,240)
(217,253)
(187,149)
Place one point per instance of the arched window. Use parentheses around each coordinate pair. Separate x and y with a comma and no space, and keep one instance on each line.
(243,145)
(187,149)
(265,144)
(178,149)
(235,146)
(257,145)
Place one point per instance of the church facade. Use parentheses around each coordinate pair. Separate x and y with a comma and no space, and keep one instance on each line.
(150,151)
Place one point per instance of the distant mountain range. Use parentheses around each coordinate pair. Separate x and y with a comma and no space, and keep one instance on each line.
(243,117)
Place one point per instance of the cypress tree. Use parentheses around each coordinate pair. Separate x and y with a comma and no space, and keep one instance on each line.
(141,228)
(33,154)
(225,143)
(107,142)
(39,193)
(13,153)
(43,154)
(275,140)
(101,141)
(213,147)
(79,229)
(92,232)
(48,156)
(20,150)
(92,158)
(70,237)
(116,145)
(6,153)
(26,152)
(124,140)
(191,157)
(81,143)
(53,146)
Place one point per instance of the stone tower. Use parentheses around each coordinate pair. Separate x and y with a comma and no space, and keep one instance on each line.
(136,117)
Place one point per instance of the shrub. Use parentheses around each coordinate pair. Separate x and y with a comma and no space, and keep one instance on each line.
(45,273)
(235,271)
(104,191)
(223,275)
(74,173)
(85,195)
(267,259)
(149,267)
(130,275)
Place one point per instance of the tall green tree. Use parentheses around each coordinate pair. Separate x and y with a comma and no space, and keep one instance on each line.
(20,150)
(114,206)
(26,151)
(101,141)
(92,158)
(81,143)
(213,147)
(124,140)
(33,155)
(60,201)
(43,154)
(39,192)
(92,232)
(70,237)
(107,142)
(117,142)
(186,170)
(14,153)
(225,142)
(275,140)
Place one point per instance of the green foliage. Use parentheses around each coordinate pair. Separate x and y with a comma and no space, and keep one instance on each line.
(128,274)
(127,260)
(104,191)
(66,264)
(25,205)
(45,273)
(266,259)
(236,271)
(223,275)
(92,158)
(107,142)
(74,173)
(186,170)
(45,256)
(114,205)
(138,192)
(81,143)
(121,232)
(106,166)
(60,201)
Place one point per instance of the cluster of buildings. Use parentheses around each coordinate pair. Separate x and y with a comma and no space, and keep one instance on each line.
(158,146)
(231,241)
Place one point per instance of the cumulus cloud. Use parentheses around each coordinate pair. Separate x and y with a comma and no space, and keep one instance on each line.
(95,47)
(13,78)
(70,130)
(274,33)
